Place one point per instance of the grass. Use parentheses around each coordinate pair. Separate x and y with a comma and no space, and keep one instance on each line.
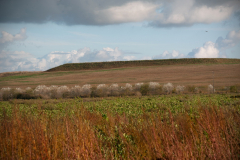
(179,74)
(150,127)
(118,64)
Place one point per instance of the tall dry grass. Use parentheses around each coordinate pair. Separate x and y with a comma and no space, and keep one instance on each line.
(212,133)
(41,136)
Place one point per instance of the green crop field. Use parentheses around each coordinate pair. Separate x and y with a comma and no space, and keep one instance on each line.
(186,126)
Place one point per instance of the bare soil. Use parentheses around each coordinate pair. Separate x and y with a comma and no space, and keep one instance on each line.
(196,74)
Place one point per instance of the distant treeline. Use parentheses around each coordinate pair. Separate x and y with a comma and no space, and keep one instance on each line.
(118,64)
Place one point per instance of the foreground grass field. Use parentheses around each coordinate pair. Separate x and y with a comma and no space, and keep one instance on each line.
(202,126)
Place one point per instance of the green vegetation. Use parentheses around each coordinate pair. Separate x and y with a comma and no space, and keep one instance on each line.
(108,121)
(118,64)
(150,127)
(234,89)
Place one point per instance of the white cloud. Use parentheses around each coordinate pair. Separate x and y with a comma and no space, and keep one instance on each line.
(232,38)
(188,12)
(129,58)
(216,50)
(13,61)
(108,49)
(7,37)
(22,61)
(130,12)
(209,50)
(168,55)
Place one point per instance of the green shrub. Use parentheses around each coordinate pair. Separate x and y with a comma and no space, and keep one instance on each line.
(25,96)
(233,89)
(191,88)
(93,92)
(144,89)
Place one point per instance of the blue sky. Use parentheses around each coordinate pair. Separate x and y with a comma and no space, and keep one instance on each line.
(38,35)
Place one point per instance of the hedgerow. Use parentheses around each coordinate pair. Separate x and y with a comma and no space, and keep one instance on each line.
(104,90)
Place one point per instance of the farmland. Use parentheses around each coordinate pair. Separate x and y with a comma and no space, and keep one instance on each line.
(169,110)
(149,127)
(226,72)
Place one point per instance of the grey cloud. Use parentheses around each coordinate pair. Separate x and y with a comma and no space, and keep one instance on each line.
(58,11)
(237,14)
(104,12)
(213,3)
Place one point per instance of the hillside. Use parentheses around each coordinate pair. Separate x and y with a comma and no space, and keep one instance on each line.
(198,72)
(120,64)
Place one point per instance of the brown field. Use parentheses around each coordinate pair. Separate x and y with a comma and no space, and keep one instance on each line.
(191,74)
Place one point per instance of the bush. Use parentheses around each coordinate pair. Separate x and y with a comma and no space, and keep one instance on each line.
(94,92)
(42,91)
(53,92)
(86,90)
(180,89)
(155,88)
(114,90)
(137,86)
(25,95)
(63,92)
(29,90)
(75,91)
(127,90)
(196,90)
(233,89)
(7,93)
(191,88)
(168,88)
(210,89)
(144,89)
(102,90)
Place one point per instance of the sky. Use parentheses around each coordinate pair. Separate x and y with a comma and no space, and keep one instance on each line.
(37,35)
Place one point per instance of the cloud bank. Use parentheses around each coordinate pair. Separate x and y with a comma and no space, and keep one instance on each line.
(157,13)
(169,55)
(231,40)
(208,50)
(23,61)
(7,37)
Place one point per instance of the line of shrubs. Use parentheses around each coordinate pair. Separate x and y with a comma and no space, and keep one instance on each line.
(102,90)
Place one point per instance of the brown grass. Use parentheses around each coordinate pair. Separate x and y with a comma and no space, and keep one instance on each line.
(213,134)
(198,75)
